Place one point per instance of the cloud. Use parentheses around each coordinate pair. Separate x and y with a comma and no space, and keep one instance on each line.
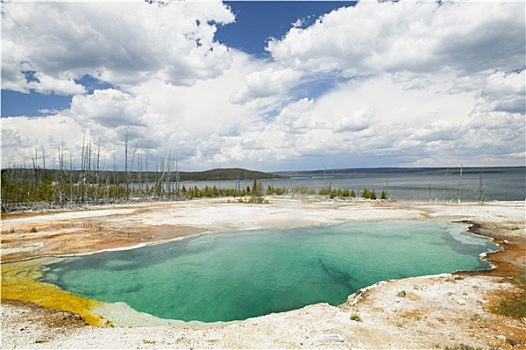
(298,23)
(22,136)
(377,84)
(266,83)
(407,36)
(505,92)
(297,117)
(359,121)
(46,84)
(121,43)
(108,108)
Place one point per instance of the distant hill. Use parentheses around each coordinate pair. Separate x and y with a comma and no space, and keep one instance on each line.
(150,176)
(227,174)
(393,170)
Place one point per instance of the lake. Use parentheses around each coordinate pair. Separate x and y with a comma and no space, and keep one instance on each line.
(403,184)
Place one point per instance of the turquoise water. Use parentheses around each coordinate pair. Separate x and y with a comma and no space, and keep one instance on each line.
(234,276)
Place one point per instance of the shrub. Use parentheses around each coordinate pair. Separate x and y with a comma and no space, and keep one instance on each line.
(325,191)
(514,306)
(356,317)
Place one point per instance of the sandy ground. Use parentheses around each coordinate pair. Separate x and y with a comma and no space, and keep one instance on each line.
(427,312)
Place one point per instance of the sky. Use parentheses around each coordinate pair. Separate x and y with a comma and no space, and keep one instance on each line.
(266,86)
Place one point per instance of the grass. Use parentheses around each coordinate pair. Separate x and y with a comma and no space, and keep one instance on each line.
(514,306)
(401,294)
(461,347)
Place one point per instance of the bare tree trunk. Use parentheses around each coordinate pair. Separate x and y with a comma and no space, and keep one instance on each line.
(70,179)
(81,174)
(43,159)
(169,180)
(116,191)
(147,187)
(61,166)
(131,165)
(159,185)
(444,189)
(177,178)
(459,198)
(97,175)
(126,163)
(481,190)
(35,166)
(87,176)
(139,168)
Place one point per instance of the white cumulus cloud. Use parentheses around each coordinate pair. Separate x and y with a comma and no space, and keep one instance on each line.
(121,43)
(266,83)
(408,36)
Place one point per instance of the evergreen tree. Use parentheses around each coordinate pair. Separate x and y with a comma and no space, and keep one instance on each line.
(258,192)
(325,191)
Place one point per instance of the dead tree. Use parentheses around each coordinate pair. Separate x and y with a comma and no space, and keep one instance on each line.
(481,190)
(459,197)
(126,163)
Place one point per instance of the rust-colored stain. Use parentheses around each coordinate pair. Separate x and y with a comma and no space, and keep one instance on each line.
(83,237)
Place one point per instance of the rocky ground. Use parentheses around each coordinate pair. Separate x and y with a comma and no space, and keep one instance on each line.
(462,310)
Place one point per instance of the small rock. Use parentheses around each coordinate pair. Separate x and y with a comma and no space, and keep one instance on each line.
(501,337)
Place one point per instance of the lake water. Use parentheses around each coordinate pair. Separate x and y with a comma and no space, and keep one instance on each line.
(440,185)
(238,275)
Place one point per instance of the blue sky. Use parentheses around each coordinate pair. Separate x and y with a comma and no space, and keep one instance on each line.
(33,104)
(265,85)
(257,21)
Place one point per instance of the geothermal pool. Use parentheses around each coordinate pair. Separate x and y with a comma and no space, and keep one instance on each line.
(238,275)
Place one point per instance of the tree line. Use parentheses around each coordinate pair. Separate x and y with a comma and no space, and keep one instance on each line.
(39,188)
(257,192)
(30,189)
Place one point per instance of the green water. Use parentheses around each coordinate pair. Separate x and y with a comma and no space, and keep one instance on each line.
(234,276)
